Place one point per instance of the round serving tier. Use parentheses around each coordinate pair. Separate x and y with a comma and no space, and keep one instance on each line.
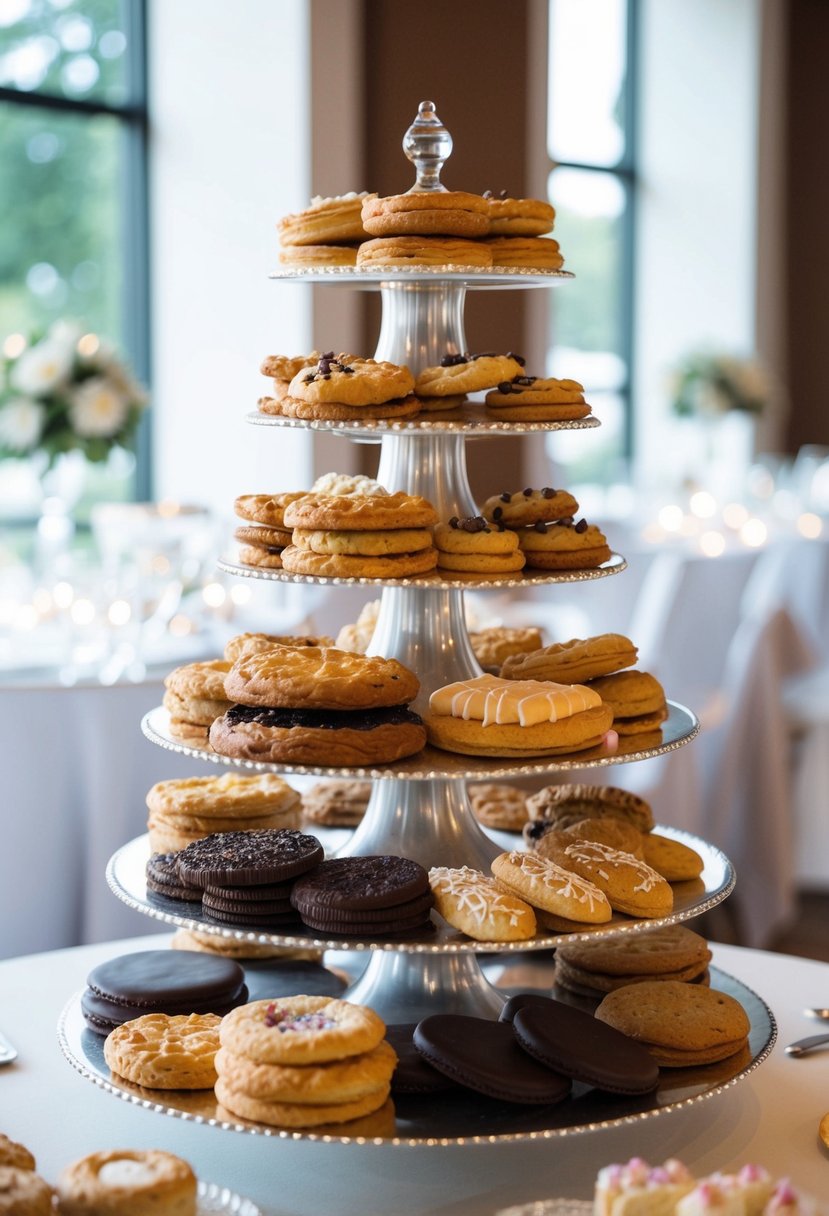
(430,764)
(459,1117)
(472,421)
(126,875)
(479,278)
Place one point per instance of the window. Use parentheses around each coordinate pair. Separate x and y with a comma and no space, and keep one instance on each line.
(591,145)
(73,242)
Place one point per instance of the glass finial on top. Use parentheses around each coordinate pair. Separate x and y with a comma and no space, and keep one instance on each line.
(428,145)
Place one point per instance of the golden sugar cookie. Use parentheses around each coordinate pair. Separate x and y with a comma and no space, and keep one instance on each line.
(573,662)
(380,543)
(359,383)
(525,252)
(474,535)
(630,693)
(492,646)
(319,678)
(538,413)
(318,255)
(631,886)
(330,411)
(296,1114)
(428,212)
(284,367)
(361,513)
(194,827)
(675,861)
(265,538)
(562,805)
(519,216)
(526,507)
(406,251)
(268,509)
(326,221)
(14,1154)
(680,1024)
(475,904)
(402,565)
(24,1193)
(651,952)
(193,711)
(433,405)
(564,545)
(263,559)
(164,1051)
(485,564)
(199,680)
(498,805)
(143,1182)
(346,1080)
(545,885)
(251,643)
(336,803)
(193,734)
(301,1030)
(615,833)
(467,373)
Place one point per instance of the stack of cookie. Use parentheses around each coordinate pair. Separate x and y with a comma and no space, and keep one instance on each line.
(264,535)
(493,646)
(303,1061)
(498,805)
(325,234)
(364,896)
(445,386)
(320,706)
(549,537)
(336,804)
(280,370)
(346,389)
(537,399)
(252,643)
(186,809)
(194,698)
(474,547)
(427,228)
(594,968)
(360,536)
(515,226)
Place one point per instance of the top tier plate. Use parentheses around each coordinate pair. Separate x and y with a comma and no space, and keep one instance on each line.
(475,277)
(472,420)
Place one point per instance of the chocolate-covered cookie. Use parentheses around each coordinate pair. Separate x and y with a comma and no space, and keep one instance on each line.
(243,859)
(575,1044)
(163,879)
(412,1074)
(485,1056)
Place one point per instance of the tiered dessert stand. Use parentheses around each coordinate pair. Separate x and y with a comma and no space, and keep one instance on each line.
(419,807)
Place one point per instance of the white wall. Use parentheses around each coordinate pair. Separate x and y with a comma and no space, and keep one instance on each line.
(230,153)
(696,228)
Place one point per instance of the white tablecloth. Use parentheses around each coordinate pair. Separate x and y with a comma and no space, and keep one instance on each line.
(770,1117)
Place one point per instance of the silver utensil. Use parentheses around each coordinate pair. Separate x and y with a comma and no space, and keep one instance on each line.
(822,1015)
(7,1052)
(801,1046)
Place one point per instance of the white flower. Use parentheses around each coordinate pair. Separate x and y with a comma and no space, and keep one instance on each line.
(42,367)
(21,424)
(65,332)
(97,409)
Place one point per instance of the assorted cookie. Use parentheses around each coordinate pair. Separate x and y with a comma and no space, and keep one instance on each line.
(347,389)
(492,646)
(573,662)
(138,1182)
(472,546)
(194,697)
(537,399)
(326,233)
(594,968)
(498,805)
(336,804)
(467,373)
(373,896)
(186,809)
(165,1051)
(479,906)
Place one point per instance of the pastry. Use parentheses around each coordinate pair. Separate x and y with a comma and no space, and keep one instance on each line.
(573,662)
(427,213)
(132,1182)
(361,382)
(371,895)
(485,1056)
(631,886)
(475,904)
(268,509)
(487,716)
(466,373)
(519,216)
(327,221)
(564,805)
(564,545)
(336,804)
(498,805)
(360,513)
(533,399)
(160,981)
(638,1187)
(546,886)
(14,1154)
(319,678)
(243,859)
(680,1024)
(252,643)
(472,546)
(527,507)
(164,1051)
(24,1193)
(525,252)
(318,255)
(492,646)
(301,1030)
(636,698)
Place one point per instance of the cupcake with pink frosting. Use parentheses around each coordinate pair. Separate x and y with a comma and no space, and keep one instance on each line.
(639,1189)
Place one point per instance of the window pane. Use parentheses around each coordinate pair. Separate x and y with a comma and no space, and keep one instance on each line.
(69,48)
(592,457)
(586,120)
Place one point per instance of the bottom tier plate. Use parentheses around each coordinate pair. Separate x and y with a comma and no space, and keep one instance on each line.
(456,1118)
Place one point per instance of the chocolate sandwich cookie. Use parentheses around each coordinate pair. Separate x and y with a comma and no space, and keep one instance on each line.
(252,920)
(486,1057)
(412,1074)
(255,892)
(163,879)
(160,981)
(244,859)
(252,907)
(575,1044)
(374,895)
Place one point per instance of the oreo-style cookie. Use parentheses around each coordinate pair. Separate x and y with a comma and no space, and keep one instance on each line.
(578,1045)
(412,1074)
(485,1056)
(162,879)
(242,859)
(161,981)
(254,893)
(253,907)
(364,895)
(251,920)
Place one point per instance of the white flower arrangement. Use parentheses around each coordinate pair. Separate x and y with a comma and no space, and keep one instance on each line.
(708,386)
(66,391)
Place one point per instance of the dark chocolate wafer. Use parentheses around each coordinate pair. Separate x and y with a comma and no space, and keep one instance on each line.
(163,879)
(412,1074)
(485,1056)
(240,859)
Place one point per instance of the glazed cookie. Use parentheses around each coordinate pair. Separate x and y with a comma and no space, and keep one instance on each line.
(328,221)
(493,646)
(467,373)
(331,411)
(527,507)
(301,1030)
(426,213)
(141,1182)
(387,543)
(613,832)
(636,698)
(268,509)
(15,1155)
(519,216)
(682,1025)
(565,545)
(525,252)
(631,886)
(164,1051)
(361,513)
(497,805)
(573,662)
(482,717)
(476,905)
(346,1080)
(24,1193)
(319,678)
(359,383)
(531,399)
(253,643)
(423,251)
(675,861)
(545,885)
(243,859)
(337,804)
(564,805)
